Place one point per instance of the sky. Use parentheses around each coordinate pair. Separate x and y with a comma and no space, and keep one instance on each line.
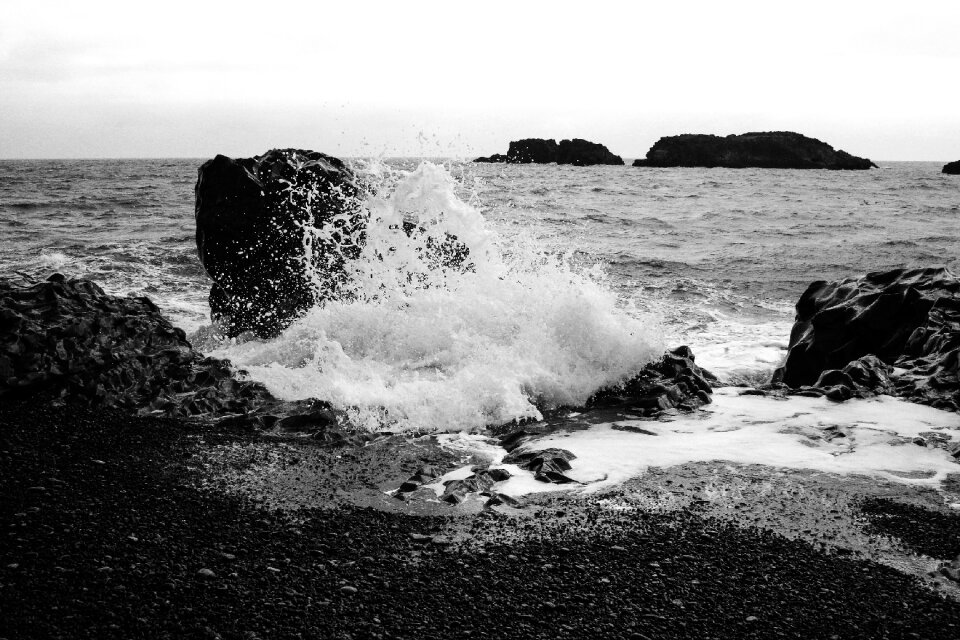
(96,78)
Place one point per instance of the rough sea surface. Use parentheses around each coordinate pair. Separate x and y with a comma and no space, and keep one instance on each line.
(583,273)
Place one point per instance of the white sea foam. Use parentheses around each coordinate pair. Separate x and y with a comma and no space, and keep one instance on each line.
(413,344)
(790,433)
(53,259)
(738,350)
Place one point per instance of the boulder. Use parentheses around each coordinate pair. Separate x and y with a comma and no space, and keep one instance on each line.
(674,381)
(577,152)
(273,233)
(768,150)
(952,168)
(908,318)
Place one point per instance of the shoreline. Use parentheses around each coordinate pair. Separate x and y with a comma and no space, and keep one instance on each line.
(110,530)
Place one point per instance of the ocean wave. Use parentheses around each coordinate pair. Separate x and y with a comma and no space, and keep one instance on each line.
(419,346)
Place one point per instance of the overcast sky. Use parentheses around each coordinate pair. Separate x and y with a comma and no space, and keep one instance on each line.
(91,78)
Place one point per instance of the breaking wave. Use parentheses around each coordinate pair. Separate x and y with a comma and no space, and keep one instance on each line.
(420,341)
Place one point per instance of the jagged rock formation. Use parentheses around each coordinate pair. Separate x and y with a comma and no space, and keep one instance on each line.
(273,232)
(952,168)
(577,152)
(768,150)
(908,318)
(70,339)
(674,381)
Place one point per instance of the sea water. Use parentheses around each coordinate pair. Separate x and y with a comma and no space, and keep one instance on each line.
(578,275)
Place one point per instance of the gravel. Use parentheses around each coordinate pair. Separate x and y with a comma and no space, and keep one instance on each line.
(106,533)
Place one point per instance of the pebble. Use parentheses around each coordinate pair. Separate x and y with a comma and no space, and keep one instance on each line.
(206,573)
(348,590)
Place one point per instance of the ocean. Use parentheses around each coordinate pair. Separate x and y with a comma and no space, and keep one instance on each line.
(582,274)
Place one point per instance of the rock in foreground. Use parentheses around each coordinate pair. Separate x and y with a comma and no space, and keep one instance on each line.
(907,318)
(273,233)
(952,168)
(766,150)
(577,152)
(70,339)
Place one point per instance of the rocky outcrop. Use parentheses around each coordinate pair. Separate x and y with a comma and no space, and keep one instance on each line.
(908,318)
(581,153)
(273,232)
(952,168)
(767,150)
(577,152)
(69,339)
(535,150)
(497,157)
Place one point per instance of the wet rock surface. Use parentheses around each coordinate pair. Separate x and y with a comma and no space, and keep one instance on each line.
(130,547)
(766,150)
(674,381)
(69,338)
(952,168)
(254,216)
(907,319)
(578,152)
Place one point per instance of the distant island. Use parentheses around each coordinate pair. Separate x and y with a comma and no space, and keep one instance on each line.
(952,168)
(766,150)
(577,152)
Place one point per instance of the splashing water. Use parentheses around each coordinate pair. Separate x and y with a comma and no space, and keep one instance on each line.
(420,341)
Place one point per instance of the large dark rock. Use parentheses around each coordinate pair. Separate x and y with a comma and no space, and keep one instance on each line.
(577,152)
(952,168)
(535,150)
(273,233)
(581,153)
(69,339)
(907,318)
(768,150)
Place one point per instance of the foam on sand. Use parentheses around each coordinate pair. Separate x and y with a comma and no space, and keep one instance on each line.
(799,433)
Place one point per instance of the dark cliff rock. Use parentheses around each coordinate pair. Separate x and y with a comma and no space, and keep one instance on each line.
(952,168)
(251,214)
(767,150)
(70,339)
(577,152)
(908,318)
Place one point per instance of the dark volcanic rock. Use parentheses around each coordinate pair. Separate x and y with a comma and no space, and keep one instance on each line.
(581,153)
(907,318)
(952,168)
(863,378)
(70,338)
(577,152)
(673,381)
(767,150)
(273,232)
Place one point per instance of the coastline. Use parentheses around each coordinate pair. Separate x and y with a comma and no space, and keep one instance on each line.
(109,529)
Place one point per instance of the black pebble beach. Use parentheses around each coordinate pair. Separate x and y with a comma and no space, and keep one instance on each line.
(105,534)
